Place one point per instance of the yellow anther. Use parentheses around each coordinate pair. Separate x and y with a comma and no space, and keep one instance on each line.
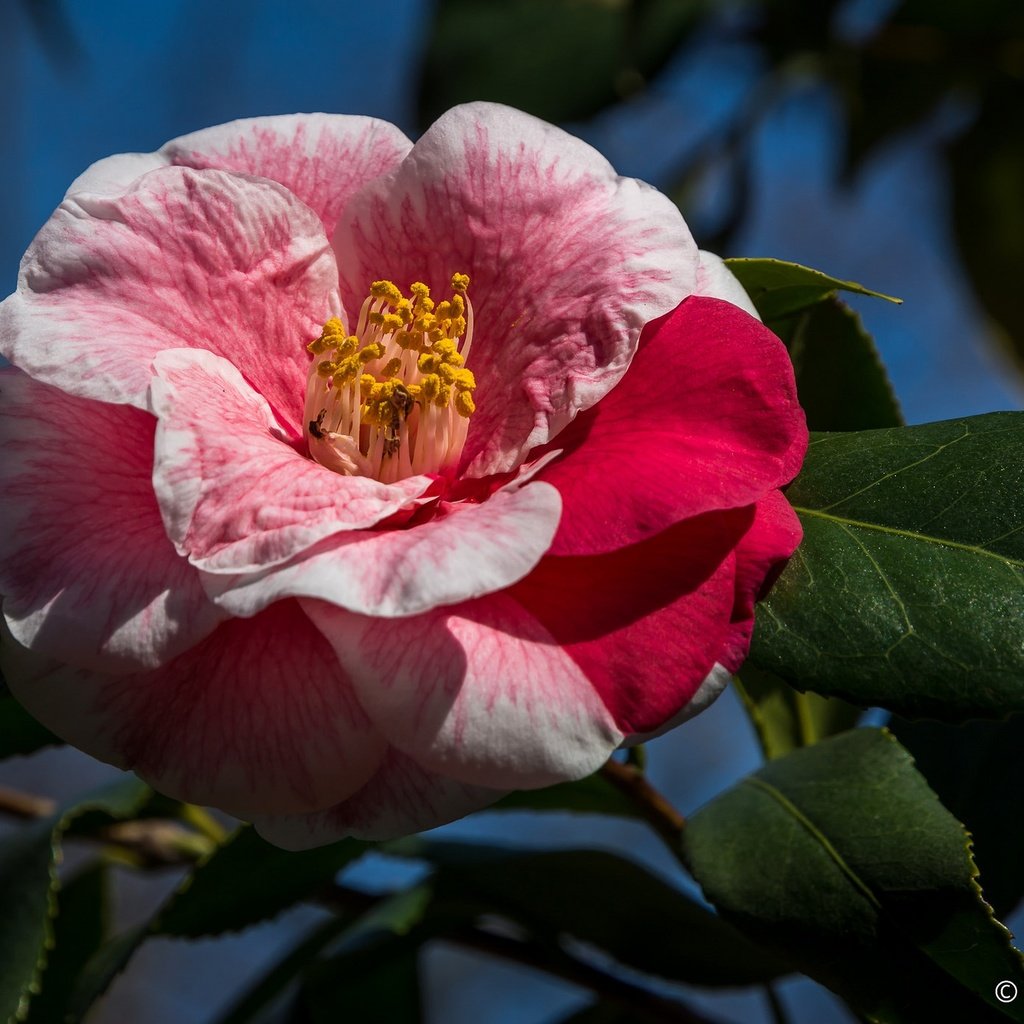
(347,370)
(318,346)
(458,326)
(464,380)
(447,373)
(371,352)
(376,318)
(424,322)
(460,282)
(444,396)
(326,369)
(404,310)
(386,290)
(392,322)
(419,290)
(427,304)
(444,310)
(428,363)
(458,304)
(414,390)
(464,404)
(445,349)
(391,367)
(366,382)
(430,386)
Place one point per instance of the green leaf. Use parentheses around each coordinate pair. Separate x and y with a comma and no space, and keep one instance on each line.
(786,719)
(29,886)
(600,899)
(243,882)
(516,52)
(79,930)
(976,768)
(780,289)
(592,795)
(842,858)
(20,733)
(840,379)
(987,167)
(246,881)
(908,589)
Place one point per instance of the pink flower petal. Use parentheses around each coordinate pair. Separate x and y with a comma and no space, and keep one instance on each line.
(710,689)
(235,495)
(645,623)
(716,281)
(114,175)
(464,552)
(567,262)
(760,558)
(257,719)
(184,258)
(480,693)
(400,799)
(86,570)
(706,418)
(323,158)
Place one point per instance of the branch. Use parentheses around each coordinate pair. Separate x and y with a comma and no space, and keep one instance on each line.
(663,817)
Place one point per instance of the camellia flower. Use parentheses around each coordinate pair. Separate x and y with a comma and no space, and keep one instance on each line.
(350,483)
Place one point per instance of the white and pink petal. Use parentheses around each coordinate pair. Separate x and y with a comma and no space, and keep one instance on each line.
(567,262)
(258,718)
(444,555)
(184,258)
(402,798)
(237,494)
(87,573)
(324,159)
(481,693)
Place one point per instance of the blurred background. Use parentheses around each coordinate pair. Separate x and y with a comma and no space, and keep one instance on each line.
(877,140)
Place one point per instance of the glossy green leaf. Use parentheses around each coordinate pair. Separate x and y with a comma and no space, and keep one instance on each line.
(246,881)
(842,858)
(988,211)
(785,719)
(20,733)
(779,289)
(908,588)
(603,900)
(517,52)
(592,795)
(79,929)
(977,769)
(840,378)
(29,887)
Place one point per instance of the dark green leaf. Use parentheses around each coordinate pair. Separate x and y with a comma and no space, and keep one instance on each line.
(908,589)
(841,857)
(20,733)
(246,881)
(977,769)
(79,930)
(592,795)
(29,885)
(780,289)
(840,378)
(601,899)
(786,719)
(517,52)
(988,207)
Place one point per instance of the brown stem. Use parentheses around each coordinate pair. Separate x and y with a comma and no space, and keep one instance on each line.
(25,806)
(664,818)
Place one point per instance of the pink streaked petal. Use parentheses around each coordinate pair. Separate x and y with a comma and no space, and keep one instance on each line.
(465,551)
(706,694)
(706,418)
(480,692)
(760,558)
(114,175)
(86,570)
(646,623)
(235,495)
(716,281)
(323,158)
(184,258)
(257,719)
(402,798)
(567,263)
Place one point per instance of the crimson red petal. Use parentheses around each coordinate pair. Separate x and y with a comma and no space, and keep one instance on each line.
(705,418)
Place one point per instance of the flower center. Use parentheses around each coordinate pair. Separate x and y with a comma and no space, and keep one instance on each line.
(393,399)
